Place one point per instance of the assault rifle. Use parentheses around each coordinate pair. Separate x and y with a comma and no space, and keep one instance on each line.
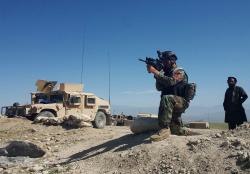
(156,63)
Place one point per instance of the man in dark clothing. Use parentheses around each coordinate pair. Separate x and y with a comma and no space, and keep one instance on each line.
(234,98)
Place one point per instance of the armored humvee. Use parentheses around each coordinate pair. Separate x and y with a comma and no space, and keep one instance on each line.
(69,99)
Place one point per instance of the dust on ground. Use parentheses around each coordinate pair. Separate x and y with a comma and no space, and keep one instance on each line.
(115,150)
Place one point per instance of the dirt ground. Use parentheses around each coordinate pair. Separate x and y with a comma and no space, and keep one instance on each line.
(115,150)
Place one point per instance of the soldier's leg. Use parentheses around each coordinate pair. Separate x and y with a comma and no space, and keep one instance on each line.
(176,124)
(166,110)
(164,117)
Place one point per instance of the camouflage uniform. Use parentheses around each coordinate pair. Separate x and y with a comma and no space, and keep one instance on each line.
(172,104)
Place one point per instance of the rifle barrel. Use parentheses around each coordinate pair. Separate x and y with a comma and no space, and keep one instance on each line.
(142,60)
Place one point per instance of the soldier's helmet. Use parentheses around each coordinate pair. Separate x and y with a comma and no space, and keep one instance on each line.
(168,55)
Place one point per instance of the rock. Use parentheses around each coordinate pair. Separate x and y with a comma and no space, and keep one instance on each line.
(36,168)
(207,139)
(228,168)
(56,150)
(174,159)
(76,122)
(218,135)
(225,144)
(238,148)
(182,171)
(3,152)
(144,124)
(193,142)
(48,120)
(243,157)
(193,170)
(240,153)
(32,130)
(59,169)
(1,169)
(24,148)
(7,172)
(234,171)
(3,165)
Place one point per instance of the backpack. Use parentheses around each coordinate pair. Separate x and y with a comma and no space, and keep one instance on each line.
(190,91)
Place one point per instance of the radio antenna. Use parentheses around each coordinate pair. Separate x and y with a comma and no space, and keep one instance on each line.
(109,70)
(83,51)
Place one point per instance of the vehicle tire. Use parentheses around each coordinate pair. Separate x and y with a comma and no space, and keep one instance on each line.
(47,114)
(100,120)
(108,120)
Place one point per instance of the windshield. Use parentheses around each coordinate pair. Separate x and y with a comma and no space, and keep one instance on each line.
(48,98)
(56,98)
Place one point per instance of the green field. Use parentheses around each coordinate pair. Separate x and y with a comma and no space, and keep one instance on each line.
(222,126)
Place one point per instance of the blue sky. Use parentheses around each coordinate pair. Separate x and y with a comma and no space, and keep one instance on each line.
(43,39)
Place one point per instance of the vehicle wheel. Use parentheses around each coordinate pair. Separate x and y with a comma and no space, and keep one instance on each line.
(100,120)
(108,120)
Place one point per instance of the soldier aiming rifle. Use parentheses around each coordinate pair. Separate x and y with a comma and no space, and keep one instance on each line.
(176,94)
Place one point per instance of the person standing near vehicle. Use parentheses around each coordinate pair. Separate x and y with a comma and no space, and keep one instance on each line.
(235,96)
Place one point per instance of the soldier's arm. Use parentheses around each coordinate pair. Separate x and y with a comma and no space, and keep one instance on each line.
(178,75)
(166,81)
(159,86)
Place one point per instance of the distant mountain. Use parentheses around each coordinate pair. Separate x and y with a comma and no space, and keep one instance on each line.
(211,114)
(201,113)
(133,110)
(193,113)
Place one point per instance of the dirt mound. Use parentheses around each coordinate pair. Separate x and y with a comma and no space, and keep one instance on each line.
(115,150)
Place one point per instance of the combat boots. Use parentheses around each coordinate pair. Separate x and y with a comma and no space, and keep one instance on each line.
(161,135)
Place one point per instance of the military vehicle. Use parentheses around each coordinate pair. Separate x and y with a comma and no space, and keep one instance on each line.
(68,100)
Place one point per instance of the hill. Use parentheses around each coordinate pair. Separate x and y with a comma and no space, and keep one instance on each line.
(115,150)
(193,113)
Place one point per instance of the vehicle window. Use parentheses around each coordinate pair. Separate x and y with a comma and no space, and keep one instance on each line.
(91,100)
(56,99)
(75,99)
(41,98)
